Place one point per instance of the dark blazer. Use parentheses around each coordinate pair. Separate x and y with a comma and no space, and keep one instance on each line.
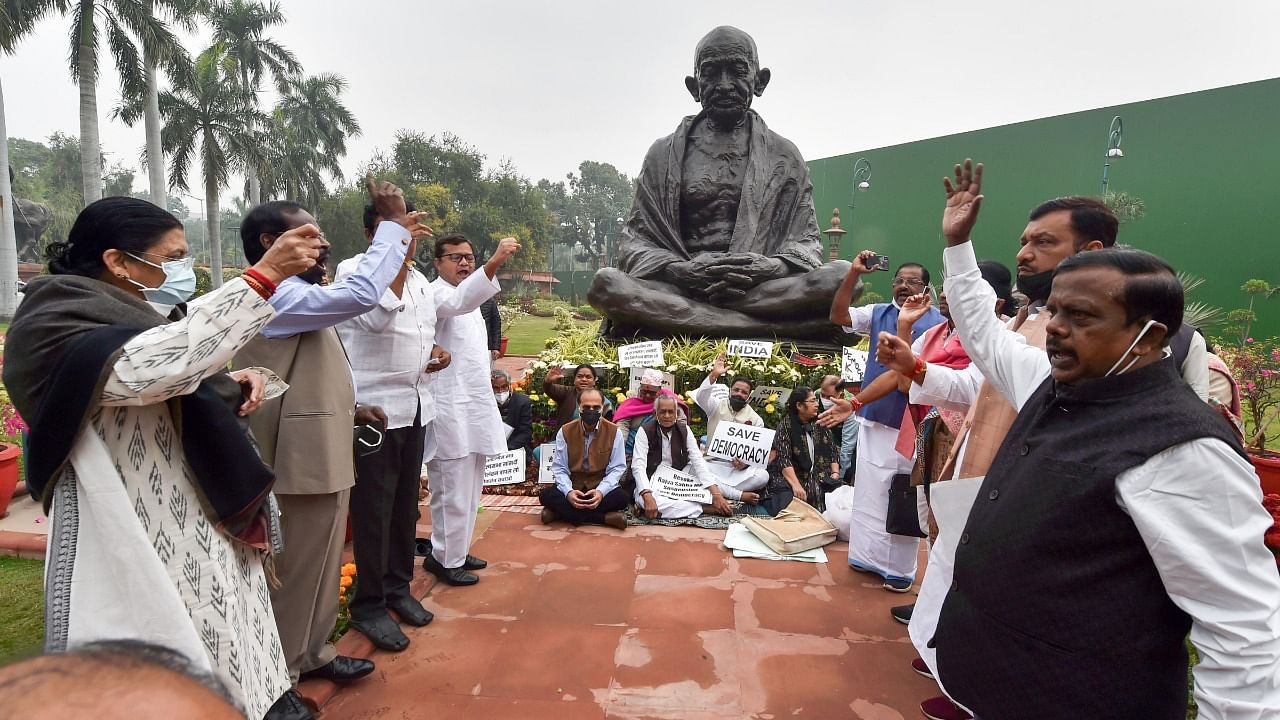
(518,414)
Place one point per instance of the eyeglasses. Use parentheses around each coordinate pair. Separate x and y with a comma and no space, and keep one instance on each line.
(459,258)
(319,235)
(908,282)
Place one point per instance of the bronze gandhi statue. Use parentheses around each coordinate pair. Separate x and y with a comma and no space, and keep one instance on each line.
(722,240)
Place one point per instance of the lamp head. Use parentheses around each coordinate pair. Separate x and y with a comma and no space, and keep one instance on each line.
(1115,152)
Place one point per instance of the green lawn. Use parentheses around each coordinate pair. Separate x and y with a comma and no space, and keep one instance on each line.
(531,332)
(22,597)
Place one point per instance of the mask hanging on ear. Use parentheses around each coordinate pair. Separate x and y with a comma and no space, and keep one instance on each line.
(1132,345)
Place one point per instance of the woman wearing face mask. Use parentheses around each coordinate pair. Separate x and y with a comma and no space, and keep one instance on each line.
(152,487)
(803,462)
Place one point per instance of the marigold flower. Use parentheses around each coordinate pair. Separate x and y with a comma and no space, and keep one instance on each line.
(534,397)
(345,582)
(551,403)
(769,408)
(348,570)
(621,398)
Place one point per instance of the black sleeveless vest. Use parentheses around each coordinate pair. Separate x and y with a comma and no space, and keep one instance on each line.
(679,453)
(1057,610)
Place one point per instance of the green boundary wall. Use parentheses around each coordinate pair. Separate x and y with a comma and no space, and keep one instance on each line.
(1206,165)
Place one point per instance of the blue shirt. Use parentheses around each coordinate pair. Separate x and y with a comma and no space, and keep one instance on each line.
(303,307)
(612,472)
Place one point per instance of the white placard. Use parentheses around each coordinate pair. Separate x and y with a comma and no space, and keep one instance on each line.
(644,354)
(762,393)
(750,348)
(546,456)
(853,364)
(504,468)
(748,443)
(719,393)
(672,483)
(668,380)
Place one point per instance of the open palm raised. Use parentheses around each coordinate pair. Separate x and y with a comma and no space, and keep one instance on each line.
(964,198)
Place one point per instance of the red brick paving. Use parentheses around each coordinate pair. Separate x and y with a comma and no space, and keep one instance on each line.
(653,623)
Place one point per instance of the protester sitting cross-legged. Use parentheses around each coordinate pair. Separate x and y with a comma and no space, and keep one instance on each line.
(664,441)
(737,480)
(156,499)
(803,462)
(588,465)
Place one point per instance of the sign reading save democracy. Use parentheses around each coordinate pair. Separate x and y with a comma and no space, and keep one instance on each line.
(750,348)
(669,482)
(748,443)
(853,364)
(643,354)
(504,468)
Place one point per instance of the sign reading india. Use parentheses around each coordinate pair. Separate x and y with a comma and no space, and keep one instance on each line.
(504,468)
(748,443)
(762,392)
(853,364)
(643,354)
(668,380)
(547,456)
(751,348)
(671,483)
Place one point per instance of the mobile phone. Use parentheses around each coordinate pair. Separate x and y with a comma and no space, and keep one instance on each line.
(878,262)
(933,293)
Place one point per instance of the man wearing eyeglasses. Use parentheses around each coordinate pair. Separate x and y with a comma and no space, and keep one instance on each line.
(871,548)
(469,427)
(588,467)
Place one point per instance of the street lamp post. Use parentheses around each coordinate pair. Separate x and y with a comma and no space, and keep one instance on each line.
(834,233)
(203,216)
(1114,136)
(861,180)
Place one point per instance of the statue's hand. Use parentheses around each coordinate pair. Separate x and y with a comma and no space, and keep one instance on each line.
(692,275)
(755,268)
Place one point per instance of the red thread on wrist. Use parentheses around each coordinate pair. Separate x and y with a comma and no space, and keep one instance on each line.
(270,286)
(918,371)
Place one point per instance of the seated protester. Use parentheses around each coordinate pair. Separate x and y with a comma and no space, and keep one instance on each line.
(663,441)
(737,480)
(638,410)
(566,396)
(516,411)
(803,464)
(587,467)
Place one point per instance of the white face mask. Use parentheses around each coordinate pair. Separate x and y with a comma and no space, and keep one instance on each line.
(502,396)
(1132,345)
(161,308)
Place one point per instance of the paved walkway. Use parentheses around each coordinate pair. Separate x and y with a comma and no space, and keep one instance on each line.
(651,623)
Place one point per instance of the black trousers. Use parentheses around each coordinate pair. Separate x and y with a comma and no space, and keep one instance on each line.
(384,519)
(777,501)
(616,501)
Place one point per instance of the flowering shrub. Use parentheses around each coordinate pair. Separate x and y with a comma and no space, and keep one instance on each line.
(11,423)
(1272,504)
(689,361)
(346,589)
(1256,367)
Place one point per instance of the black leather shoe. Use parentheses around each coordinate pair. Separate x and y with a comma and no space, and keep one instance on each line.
(410,611)
(902,613)
(341,669)
(383,632)
(289,707)
(452,576)
(472,562)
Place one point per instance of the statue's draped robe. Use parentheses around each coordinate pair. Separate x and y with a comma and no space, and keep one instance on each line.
(775,214)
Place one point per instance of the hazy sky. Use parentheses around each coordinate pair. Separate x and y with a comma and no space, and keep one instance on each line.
(550,84)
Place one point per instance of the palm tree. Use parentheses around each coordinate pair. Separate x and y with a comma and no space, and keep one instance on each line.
(240,26)
(17,17)
(209,117)
(307,135)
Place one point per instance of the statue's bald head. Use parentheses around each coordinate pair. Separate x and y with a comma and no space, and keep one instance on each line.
(726,39)
(726,75)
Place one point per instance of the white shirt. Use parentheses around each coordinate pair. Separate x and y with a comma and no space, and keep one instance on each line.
(469,419)
(697,466)
(1197,506)
(389,348)
(718,410)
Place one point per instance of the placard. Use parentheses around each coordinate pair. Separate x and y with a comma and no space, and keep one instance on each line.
(671,483)
(762,393)
(643,354)
(668,380)
(719,393)
(748,443)
(750,348)
(505,468)
(547,456)
(853,364)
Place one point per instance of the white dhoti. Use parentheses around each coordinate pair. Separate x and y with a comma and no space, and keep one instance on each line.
(734,482)
(871,548)
(455,497)
(951,502)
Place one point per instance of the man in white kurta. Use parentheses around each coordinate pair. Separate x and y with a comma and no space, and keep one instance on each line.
(468,427)
(737,480)
(656,504)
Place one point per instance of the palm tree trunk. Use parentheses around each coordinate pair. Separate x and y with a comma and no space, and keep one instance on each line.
(8,235)
(155,154)
(214,233)
(251,171)
(90,149)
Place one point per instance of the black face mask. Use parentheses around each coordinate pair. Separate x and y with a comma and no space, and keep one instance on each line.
(590,416)
(737,403)
(1037,286)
